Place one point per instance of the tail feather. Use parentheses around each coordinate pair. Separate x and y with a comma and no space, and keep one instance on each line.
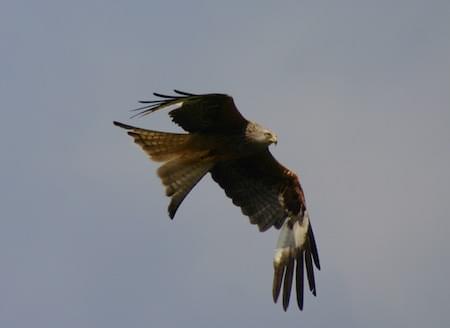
(183,166)
(160,146)
(180,175)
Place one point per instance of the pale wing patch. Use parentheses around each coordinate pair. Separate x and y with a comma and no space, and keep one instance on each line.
(300,230)
(294,250)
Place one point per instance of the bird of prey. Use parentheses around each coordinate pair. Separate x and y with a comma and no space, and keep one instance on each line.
(220,141)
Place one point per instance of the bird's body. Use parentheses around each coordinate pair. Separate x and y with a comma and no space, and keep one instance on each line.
(235,152)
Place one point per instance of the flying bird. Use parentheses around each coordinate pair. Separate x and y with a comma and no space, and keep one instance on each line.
(235,151)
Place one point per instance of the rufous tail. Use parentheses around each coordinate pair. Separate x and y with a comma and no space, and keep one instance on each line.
(183,165)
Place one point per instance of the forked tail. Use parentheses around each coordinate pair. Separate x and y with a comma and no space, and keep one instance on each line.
(183,165)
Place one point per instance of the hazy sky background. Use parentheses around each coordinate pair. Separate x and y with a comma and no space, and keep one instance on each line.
(358,93)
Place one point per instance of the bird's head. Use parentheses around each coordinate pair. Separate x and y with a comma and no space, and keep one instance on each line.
(260,135)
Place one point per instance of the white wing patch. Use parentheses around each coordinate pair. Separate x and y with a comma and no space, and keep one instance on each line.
(292,238)
(285,245)
(172,106)
(300,230)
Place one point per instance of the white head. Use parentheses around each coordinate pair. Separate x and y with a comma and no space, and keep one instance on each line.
(259,135)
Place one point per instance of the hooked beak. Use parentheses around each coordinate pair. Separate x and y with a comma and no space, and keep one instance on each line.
(273,139)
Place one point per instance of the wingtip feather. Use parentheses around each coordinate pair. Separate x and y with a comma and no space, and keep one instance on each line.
(310,272)
(277,280)
(313,245)
(299,276)
(287,286)
(183,93)
(123,125)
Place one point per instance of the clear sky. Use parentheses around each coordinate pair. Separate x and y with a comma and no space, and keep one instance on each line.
(358,93)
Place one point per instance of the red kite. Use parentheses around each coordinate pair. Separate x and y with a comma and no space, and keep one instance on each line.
(235,152)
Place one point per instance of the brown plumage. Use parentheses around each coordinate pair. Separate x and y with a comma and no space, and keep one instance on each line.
(235,151)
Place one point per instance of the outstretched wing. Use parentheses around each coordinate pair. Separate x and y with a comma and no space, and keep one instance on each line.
(265,190)
(271,195)
(206,113)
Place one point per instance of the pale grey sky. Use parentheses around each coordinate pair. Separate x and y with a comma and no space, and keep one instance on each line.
(358,93)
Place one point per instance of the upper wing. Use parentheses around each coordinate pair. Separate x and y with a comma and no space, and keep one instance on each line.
(208,113)
(266,191)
